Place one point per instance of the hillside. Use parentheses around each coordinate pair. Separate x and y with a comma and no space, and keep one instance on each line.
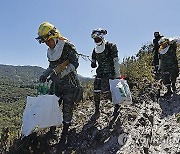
(25,75)
(20,74)
(151,125)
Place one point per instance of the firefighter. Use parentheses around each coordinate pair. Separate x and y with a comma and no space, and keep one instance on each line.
(168,64)
(157,37)
(105,59)
(60,52)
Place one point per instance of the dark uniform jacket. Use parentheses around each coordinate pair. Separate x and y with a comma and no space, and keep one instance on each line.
(70,80)
(155,50)
(169,61)
(105,61)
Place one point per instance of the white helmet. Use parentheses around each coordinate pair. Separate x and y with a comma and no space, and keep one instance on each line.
(99,32)
(163,40)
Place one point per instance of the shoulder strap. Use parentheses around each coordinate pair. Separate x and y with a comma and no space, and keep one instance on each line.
(109,49)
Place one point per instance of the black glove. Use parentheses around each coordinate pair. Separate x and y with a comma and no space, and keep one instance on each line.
(93,65)
(42,78)
(52,77)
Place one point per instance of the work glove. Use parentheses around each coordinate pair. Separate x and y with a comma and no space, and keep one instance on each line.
(42,78)
(93,65)
(46,73)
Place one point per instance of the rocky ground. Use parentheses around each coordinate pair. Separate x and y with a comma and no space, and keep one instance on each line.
(147,126)
(155,130)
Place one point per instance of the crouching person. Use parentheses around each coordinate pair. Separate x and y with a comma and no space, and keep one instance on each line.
(63,62)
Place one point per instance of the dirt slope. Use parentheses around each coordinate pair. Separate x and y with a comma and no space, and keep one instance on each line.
(147,126)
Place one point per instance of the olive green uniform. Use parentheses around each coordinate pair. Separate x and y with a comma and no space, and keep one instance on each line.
(64,87)
(104,71)
(169,65)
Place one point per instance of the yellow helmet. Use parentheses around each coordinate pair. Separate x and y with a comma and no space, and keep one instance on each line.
(47,31)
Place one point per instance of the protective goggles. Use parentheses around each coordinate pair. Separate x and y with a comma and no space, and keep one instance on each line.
(163,41)
(42,39)
(96,34)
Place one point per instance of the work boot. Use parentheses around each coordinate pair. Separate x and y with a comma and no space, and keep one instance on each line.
(116,108)
(96,115)
(173,87)
(64,134)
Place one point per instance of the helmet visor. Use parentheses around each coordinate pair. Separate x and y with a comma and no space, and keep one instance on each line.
(96,34)
(42,39)
(163,41)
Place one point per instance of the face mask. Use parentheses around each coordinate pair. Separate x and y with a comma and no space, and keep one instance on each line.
(55,54)
(100,47)
(99,43)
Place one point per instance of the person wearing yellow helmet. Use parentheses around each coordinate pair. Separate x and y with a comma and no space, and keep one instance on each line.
(47,31)
(168,64)
(63,62)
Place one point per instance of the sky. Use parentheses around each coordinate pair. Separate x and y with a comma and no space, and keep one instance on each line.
(130,24)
